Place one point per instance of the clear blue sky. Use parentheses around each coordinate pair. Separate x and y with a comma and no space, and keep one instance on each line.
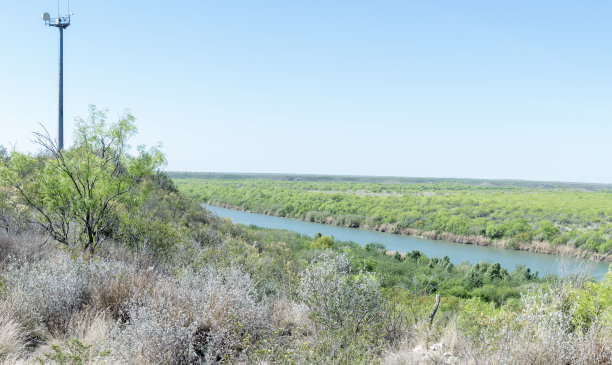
(481,89)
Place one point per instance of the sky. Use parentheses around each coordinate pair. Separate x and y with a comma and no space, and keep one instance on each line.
(470,89)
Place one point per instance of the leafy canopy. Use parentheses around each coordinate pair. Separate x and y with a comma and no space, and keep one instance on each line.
(73,192)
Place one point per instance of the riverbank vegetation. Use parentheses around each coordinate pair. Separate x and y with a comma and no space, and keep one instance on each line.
(568,219)
(167,282)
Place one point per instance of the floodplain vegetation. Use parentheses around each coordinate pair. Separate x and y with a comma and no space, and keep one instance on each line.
(570,219)
(104,261)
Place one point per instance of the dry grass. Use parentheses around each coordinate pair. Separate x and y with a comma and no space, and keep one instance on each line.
(114,292)
(92,328)
(426,346)
(292,317)
(87,328)
(27,246)
(12,335)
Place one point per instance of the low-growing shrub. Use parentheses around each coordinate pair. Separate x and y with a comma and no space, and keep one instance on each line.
(202,317)
(336,296)
(73,352)
(48,292)
(542,332)
(347,310)
(158,332)
(114,290)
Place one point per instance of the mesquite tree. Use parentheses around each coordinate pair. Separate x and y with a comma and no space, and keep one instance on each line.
(72,192)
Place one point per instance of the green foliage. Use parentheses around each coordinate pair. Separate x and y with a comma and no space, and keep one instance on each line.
(347,310)
(74,353)
(157,218)
(592,302)
(546,231)
(473,278)
(474,316)
(421,275)
(322,242)
(414,254)
(562,214)
(73,192)
(375,247)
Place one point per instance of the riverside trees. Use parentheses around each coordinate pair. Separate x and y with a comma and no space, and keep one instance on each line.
(514,213)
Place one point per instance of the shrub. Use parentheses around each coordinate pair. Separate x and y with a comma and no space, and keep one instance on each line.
(473,278)
(375,246)
(346,308)
(495,230)
(546,231)
(322,242)
(414,255)
(351,220)
(74,352)
(203,316)
(398,256)
(114,291)
(233,310)
(542,333)
(523,273)
(159,332)
(48,292)
(593,303)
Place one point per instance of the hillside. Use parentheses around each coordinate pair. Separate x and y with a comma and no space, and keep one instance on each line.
(103,260)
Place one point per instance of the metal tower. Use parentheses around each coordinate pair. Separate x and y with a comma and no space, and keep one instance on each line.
(60,23)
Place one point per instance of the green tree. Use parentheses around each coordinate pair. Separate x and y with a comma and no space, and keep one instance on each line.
(546,230)
(322,242)
(495,230)
(73,192)
(473,277)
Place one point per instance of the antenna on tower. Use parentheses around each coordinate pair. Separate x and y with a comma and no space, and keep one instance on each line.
(61,23)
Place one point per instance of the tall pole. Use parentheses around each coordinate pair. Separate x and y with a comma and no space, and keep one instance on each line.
(61,23)
(60,114)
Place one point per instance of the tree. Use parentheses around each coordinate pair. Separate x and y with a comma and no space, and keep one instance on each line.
(547,231)
(3,154)
(72,192)
(322,242)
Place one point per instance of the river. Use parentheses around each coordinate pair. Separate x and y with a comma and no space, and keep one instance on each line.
(457,252)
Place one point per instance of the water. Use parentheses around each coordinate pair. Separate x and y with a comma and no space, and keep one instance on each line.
(457,252)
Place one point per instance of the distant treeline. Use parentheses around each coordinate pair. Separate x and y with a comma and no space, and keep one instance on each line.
(391,180)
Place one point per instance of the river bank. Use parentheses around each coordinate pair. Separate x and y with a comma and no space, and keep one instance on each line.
(541,247)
